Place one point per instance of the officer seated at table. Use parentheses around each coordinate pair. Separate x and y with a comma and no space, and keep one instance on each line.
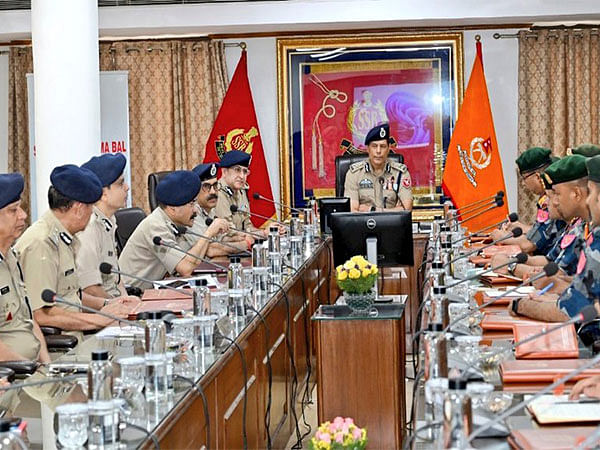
(378,183)
(176,194)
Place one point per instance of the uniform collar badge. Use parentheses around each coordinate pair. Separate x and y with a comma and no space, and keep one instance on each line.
(107,224)
(65,238)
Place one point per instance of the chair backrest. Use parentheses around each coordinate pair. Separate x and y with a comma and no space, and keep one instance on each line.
(343,163)
(153,180)
(127,221)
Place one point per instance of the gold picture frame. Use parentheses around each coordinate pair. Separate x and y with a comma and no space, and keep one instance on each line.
(440,51)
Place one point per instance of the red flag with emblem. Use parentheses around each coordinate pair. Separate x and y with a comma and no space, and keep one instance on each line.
(473,168)
(236,128)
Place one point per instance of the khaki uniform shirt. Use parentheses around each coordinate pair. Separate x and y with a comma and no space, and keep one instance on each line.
(228,197)
(47,254)
(199,226)
(142,258)
(367,188)
(16,319)
(97,246)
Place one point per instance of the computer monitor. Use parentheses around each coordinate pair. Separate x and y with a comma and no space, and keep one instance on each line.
(392,230)
(330,205)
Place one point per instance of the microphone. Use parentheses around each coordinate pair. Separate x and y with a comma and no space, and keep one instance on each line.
(512,217)
(510,411)
(15,386)
(464,211)
(516,232)
(483,200)
(183,230)
(50,297)
(107,269)
(234,209)
(258,196)
(521,258)
(498,203)
(208,221)
(157,240)
(549,269)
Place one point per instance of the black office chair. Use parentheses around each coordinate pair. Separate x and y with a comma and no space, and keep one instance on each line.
(127,221)
(58,342)
(343,163)
(153,180)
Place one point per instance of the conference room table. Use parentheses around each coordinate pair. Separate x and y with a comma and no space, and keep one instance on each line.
(238,393)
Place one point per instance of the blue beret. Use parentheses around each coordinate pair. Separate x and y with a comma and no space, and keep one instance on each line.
(108,167)
(11,187)
(76,183)
(378,133)
(235,158)
(178,188)
(206,171)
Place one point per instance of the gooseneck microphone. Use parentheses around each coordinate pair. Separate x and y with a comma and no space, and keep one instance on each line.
(497,204)
(50,296)
(514,233)
(183,230)
(49,380)
(549,270)
(512,218)
(521,258)
(469,210)
(107,269)
(157,240)
(258,196)
(486,199)
(234,209)
(208,221)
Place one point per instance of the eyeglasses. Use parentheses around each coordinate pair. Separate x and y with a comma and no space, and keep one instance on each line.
(239,170)
(207,187)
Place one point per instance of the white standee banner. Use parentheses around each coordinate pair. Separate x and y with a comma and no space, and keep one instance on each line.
(114,106)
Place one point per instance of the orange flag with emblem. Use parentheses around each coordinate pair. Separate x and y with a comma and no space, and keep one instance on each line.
(236,128)
(473,168)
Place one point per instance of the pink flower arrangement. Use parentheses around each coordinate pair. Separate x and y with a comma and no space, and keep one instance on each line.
(340,434)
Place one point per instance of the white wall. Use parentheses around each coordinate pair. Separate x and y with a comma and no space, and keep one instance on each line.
(500,59)
(3,112)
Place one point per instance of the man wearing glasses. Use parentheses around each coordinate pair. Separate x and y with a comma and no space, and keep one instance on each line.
(205,209)
(232,191)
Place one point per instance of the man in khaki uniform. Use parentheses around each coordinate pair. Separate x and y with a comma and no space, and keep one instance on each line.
(98,239)
(205,209)
(378,183)
(20,336)
(176,194)
(232,191)
(47,252)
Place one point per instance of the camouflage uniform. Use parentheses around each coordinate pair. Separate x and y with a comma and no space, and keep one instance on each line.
(544,235)
(565,252)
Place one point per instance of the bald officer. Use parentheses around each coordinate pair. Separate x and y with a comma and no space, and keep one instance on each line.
(47,251)
(98,239)
(378,183)
(205,209)
(232,190)
(20,336)
(176,194)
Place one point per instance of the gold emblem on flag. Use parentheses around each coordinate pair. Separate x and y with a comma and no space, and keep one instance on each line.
(236,139)
(479,157)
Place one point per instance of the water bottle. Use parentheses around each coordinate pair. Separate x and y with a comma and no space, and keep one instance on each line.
(8,439)
(103,427)
(274,247)
(447,256)
(235,279)
(439,307)
(457,415)
(261,272)
(435,352)
(201,297)
(156,363)
(235,283)
(100,376)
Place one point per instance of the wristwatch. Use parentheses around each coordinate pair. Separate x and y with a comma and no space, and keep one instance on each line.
(105,302)
(515,305)
(511,268)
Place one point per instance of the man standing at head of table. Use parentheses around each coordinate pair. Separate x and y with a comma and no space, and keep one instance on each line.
(176,194)
(378,183)
(47,252)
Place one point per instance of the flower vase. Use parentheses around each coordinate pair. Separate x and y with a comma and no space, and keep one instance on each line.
(360,303)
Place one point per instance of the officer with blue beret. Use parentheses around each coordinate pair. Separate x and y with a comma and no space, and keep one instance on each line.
(47,251)
(98,243)
(233,187)
(176,194)
(378,183)
(20,336)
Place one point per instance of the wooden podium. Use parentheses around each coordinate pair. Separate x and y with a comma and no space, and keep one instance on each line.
(360,370)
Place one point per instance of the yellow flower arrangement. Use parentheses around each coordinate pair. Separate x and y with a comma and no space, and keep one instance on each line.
(357,275)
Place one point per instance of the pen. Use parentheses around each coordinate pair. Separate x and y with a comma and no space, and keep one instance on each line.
(546,288)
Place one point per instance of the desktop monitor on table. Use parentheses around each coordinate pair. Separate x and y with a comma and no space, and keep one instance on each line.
(328,206)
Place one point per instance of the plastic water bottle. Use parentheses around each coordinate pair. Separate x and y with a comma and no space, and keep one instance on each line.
(8,439)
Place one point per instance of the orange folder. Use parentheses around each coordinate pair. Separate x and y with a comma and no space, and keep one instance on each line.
(543,370)
(497,321)
(548,438)
(561,343)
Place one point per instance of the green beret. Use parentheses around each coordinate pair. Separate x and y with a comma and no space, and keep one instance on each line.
(593,168)
(533,158)
(569,168)
(587,150)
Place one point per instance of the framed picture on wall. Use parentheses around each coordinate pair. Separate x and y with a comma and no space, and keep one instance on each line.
(331,91)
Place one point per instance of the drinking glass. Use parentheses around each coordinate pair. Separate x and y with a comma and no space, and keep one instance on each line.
(72,424)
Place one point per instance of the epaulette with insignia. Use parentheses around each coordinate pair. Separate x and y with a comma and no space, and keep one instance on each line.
(398,166)
(356,166)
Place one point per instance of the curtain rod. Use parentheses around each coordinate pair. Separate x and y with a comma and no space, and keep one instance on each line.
(577,31)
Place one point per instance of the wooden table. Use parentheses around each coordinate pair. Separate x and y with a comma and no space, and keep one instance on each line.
(361,372)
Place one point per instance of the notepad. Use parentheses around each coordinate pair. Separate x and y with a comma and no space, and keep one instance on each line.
(549,409)
(120,332)
(560,438)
